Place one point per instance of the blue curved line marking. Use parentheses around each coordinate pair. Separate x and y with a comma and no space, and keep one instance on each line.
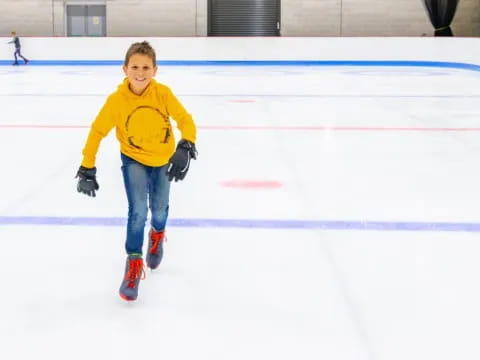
(252,223)
(407,63)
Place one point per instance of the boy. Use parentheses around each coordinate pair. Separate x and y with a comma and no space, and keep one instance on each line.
(140,110)
(16,41)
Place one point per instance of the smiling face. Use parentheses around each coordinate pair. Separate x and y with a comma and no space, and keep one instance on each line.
(140,70)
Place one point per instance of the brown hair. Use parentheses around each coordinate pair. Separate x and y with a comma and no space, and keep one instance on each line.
(143,48)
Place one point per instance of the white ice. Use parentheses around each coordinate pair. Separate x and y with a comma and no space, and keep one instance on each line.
(411,155)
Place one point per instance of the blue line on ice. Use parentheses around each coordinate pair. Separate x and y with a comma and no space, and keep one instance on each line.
(253,223)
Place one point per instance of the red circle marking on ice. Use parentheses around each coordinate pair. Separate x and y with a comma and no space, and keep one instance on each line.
(252,184)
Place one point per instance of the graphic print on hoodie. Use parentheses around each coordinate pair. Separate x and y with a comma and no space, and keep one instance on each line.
(146,127)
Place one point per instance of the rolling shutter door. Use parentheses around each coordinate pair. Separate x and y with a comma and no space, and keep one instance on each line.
(244,17)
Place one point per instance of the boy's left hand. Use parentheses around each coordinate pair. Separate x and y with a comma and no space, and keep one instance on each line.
(179,163)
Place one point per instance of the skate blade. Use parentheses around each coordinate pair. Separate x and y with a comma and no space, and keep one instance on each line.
(126,298)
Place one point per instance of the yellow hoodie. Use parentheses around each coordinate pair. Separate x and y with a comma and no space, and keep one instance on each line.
(142,124)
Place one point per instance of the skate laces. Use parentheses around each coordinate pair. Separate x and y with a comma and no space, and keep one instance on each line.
(156,238)
(135,271)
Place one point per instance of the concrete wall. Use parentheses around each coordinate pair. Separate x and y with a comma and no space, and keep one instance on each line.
(371,18)
(27,17)
(151,17)
(189,17)
(467,18)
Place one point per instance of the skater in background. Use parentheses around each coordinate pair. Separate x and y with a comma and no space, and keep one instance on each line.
(140,110)
(16,41)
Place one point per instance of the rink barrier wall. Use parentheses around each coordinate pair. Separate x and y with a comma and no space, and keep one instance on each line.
(397,63)
(247,50)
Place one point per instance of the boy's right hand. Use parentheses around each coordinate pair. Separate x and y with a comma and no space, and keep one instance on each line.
(87,181)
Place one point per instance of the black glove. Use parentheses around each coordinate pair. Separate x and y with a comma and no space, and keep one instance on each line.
(180,161)
(87,181)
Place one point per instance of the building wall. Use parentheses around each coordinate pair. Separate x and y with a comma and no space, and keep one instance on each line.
(467,18)
(310,18)
(151,17)
(366,17)
(27,17)
(189,17)
(371,18)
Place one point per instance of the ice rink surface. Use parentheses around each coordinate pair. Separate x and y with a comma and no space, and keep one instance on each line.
(333,213)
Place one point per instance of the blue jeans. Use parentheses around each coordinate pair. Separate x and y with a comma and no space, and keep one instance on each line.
(17,52)
(145,186)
